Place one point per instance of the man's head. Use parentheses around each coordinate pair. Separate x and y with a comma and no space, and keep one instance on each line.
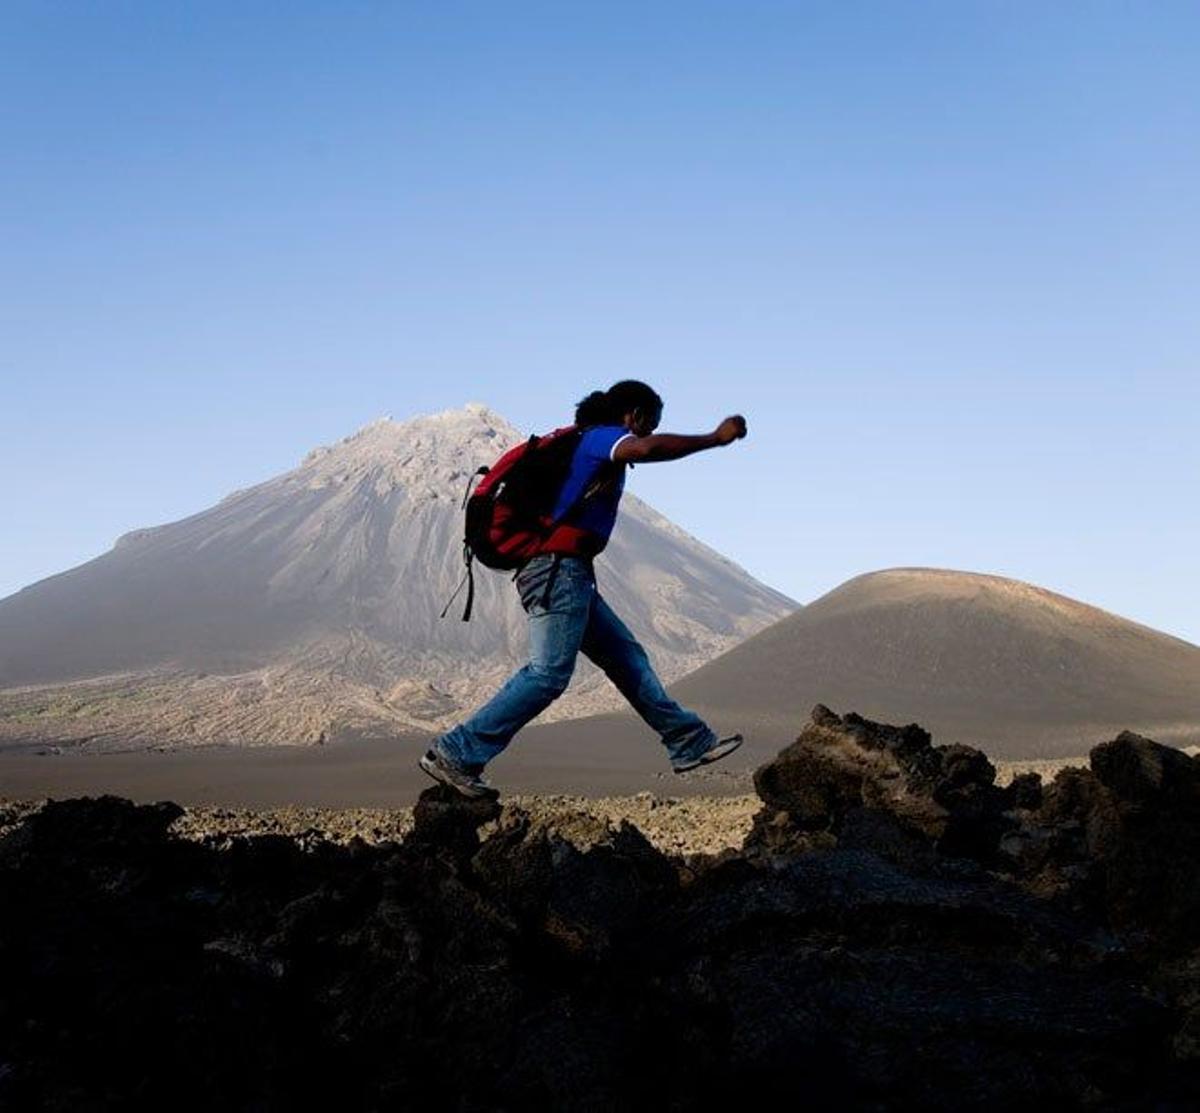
(642,422)
(629,402)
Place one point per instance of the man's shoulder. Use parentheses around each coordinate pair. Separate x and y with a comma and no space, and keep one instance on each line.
(598,440)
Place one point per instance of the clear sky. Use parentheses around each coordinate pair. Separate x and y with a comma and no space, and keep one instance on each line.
(945,257)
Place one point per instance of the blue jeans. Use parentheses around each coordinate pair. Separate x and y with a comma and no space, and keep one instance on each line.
(566,615)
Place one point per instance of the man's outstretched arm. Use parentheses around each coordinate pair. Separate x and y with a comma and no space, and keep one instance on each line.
(671,446)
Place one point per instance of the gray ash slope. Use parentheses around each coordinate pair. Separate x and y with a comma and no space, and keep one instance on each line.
(1014,668)
(305,608)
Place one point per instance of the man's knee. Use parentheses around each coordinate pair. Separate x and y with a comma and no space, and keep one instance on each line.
(552,681)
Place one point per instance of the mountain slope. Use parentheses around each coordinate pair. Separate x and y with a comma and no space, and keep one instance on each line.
(1022,671)
(306,608)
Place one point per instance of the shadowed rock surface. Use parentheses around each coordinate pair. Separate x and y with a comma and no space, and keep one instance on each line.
(897,932)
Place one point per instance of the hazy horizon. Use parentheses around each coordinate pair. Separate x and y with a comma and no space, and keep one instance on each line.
(942,259)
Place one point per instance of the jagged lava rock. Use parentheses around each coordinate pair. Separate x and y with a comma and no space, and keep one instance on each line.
(1132,827)
(444,819)
(890,785)
(876,945)
(586,900)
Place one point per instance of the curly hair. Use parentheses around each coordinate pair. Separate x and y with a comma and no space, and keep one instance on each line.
(609,407)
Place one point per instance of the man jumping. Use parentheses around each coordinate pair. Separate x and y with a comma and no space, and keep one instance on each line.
(565,611)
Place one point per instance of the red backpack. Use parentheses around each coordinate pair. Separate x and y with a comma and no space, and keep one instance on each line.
(510,514)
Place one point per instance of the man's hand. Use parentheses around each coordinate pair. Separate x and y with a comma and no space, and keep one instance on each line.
(731,429)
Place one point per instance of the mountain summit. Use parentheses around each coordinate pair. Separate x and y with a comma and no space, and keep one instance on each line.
(305,608)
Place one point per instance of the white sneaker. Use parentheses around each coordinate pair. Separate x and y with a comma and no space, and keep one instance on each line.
(715,752)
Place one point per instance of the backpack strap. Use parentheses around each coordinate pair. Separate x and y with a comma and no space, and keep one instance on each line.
(469,580)
(591,488)
(468,558)
(483,470)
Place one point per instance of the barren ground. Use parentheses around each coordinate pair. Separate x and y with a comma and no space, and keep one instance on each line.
(675,825)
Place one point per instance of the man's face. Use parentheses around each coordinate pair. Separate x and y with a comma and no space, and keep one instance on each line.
(643,422)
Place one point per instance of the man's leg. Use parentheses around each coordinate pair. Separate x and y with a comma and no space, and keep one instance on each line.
(610,644)
(557,620)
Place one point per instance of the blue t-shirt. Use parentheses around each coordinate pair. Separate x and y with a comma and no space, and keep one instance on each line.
(592,464)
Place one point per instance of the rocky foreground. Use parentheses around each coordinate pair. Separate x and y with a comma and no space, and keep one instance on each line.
(894,931)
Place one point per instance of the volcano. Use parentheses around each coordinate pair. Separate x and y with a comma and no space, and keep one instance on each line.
(1013,668)
(305,609)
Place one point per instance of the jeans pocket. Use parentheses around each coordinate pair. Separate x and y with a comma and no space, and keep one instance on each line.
(535,580)
(562,584)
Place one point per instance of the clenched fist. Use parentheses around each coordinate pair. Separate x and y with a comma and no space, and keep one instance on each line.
(731,429)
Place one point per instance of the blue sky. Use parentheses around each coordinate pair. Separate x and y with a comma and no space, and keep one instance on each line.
(942,256)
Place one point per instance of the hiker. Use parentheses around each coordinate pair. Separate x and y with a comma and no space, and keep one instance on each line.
(566,614)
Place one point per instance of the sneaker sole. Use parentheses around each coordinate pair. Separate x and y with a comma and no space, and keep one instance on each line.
(722,749)
(438,775)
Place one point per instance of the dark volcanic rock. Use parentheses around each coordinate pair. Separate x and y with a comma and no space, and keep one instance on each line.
(446,821)
(1140,771)
(1122,841)
(898,933)
(929,798)
(585,903)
